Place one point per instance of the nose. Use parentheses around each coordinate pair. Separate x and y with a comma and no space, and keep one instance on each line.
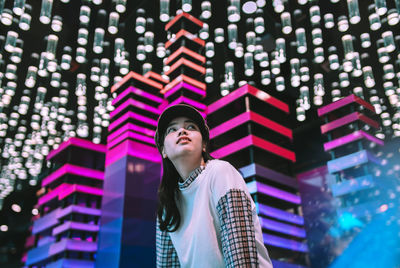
(182,131)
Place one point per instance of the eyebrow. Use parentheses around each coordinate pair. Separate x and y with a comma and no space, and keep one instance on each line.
(186,121)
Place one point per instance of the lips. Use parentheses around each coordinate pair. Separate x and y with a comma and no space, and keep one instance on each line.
(183,139)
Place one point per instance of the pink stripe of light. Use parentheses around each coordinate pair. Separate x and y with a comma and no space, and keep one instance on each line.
(79,143)
(79,188)
(347,119)
(130,135)
(183,99)
(247,116)
(132,115)
(130,127)
(247,89)
(184,85)
(359,134)
(343,102)
(253,140)
(74,170)
(132,148)
(138,92)
(137,104)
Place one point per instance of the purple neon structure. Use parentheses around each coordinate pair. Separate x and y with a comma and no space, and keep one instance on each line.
(352,157)
(56,229)
(281,229)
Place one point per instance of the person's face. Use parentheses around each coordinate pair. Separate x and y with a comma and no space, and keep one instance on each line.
(182,139)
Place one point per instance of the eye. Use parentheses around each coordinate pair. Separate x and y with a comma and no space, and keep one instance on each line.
(170,130)
(191,126)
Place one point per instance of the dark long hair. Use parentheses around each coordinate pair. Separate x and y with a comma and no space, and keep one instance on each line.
(168,193)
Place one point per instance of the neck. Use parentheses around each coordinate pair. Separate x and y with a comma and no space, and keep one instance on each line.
(186,165)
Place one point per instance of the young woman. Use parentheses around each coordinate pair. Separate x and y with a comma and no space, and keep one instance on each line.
(206,217)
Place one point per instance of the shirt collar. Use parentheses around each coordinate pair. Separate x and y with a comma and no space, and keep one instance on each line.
(192,176)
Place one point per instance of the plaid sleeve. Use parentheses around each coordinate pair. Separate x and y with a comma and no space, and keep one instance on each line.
(237,230)
(165,251)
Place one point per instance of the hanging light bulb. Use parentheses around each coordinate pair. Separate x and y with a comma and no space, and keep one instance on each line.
(316,36)
(233,13)
(365,40)
(26,18)
(98,40)
(120,6)
(344,80)
(206,9)
(315,15)
(383,55)
(229,73)
(45,11)
(140,21)
(219,35)
(305,97)
(209,50)
(51,49)
(248,64)
(203,33)
(374,21)
(250,41)
(113,23)
(259,25)
(329,21)
(224,89)
(239,51)
(336,94)
(301,40)
(280,83)
(343,24)
(393,16)
(300,113)
(380,6)
(209,76)
(369,80)
(286,23)
(281,49)
(148,41)
(354,12)
(388,41)
(265,77)
(295,72)
(319,89)
(66,58)
(11,41)
(164,10)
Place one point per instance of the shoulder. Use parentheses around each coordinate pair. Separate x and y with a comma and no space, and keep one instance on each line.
(223,177)
(217,165)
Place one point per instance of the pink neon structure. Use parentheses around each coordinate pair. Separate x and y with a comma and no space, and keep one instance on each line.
(347,119)
(133,148)
(359,134)
(78,143)
(246,117)
(242,91)
(138,92)
(73,170)
(130,127)
(183,99)
(343,102)
(130,135)
(135,103)
(132,115)
(255,141)
(184,85)
(66,189)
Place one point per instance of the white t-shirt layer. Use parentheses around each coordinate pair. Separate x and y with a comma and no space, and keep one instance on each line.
(198,239)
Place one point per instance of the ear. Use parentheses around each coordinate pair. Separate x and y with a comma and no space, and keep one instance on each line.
(164,155)
(204,146)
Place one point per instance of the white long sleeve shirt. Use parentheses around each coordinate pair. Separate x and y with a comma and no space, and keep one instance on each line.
(219,223)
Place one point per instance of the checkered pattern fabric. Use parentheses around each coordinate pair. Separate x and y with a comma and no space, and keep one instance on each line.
(237,230)
(192,176)
(165,251)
